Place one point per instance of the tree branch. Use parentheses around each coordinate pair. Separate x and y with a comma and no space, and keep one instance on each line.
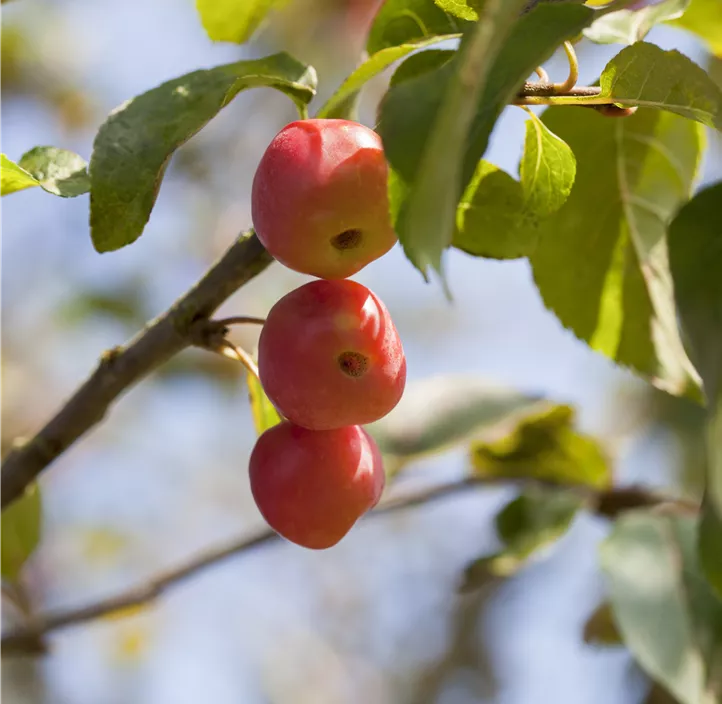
(28,638)
(121,367)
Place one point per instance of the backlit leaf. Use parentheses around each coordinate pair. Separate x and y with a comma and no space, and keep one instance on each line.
(499,217)
(601,261)
(704,18)
(544,446)
(265,415)
(629,26)
(20,526)
(233,20)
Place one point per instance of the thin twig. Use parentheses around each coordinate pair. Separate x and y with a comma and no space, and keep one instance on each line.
(122,367)
(610,502)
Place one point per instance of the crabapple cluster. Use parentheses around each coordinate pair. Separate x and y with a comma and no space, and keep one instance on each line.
(329,356)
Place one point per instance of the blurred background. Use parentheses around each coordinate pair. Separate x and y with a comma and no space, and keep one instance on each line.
(378,618)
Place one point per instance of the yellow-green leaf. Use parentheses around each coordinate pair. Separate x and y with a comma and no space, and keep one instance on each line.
(547,447)
(20,531)
(265,416)
(58,171)
(233,20)
(601,262)
(704,18)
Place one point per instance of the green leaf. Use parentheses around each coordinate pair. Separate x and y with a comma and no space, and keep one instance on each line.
(695,253)
(422,124)
(265,416)
(372,67)
(600,628)
(20,532)
(535,519)
(13,177)
(601,261)
(704,18)
(544,446)
(420,63)
(547,169)
(644,75)
(490,219)
(630,26)
(527,525)
(442,411)
(463,9)
(134,145)
(709,545)
(667,614)
(233,20)
(499,217)
(405,21)
(57,171)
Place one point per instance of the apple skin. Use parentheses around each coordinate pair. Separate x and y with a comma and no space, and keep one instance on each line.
(329,355)
(311,487)
(319,199)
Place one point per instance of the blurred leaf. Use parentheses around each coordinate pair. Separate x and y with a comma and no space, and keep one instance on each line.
(601,261)
(630,26)
(233,20)
(600,628)
(20,532)
(709,545)
(704,18)
(419,117)
(13,178)
(666,612)
(544,446)
(442,411)
(659,695)
(647,76)
(370,68)
(265,416)
(405,21)
(198,364)
(499,217)
(534,520)
(695,253)
(134,145)
(126,305)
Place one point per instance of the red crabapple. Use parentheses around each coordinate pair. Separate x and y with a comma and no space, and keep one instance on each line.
(312,486)
(319,198)
(329,356)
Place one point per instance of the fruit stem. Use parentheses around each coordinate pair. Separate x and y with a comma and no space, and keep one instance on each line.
(240,320)
(228,349)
